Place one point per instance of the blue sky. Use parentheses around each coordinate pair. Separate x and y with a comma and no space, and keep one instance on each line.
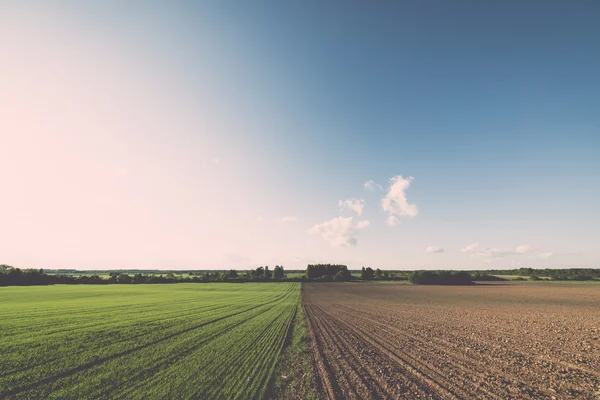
(230,134)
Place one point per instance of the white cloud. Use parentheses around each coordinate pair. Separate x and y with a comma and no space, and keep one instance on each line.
(339,232)
(289,219)
(434,249)
(491,254)
(470,248)
(355,205)
(494,253)
(259,218)
(548,255)
(371,185)
(395,202)
(392,221)
(525,249)
(215,160)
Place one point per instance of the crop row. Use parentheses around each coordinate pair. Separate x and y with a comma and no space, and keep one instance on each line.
(396,341)
(141,341)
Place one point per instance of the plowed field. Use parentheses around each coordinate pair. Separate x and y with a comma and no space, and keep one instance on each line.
(526,341)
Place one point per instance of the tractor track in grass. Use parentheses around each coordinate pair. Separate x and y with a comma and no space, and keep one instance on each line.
(182,353)
(397,341)
(169,323)
(86,366)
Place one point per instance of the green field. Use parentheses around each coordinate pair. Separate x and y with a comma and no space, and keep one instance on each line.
(213,340)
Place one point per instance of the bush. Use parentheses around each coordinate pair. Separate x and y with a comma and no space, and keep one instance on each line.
(440,278)
(581,278)
(367,274)
(343,275)
(124,278)
(477,276)
(316,271)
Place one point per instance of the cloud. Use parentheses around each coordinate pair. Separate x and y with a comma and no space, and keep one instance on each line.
(339,232)
(259,218)
(392,221)
(355,205)
(491,254)
(371,185)
(215,160)
(470,248)
(548,255)
(525,249)
(494,253)
(434,249)
(289,219)
(395,202)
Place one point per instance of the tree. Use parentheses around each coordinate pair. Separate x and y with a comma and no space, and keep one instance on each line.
(278,272)
(5,269)
(268,273)
(314,271)
(343,275)
(232,274)
(378,274)
(367,274)
(440,278)
(124,278)
(260,272)
(323,271)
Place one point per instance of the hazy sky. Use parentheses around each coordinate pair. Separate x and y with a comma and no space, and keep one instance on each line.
(398,135)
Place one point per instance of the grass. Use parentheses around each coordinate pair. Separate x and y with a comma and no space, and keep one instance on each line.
(294,378)
(548,281)
(214,340)
(398,282)
(295,274)
(543,279)
(513,277)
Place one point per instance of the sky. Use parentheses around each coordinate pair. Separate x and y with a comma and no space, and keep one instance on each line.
(230,134)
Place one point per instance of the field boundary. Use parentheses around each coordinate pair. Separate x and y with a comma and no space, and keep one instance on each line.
(295,376)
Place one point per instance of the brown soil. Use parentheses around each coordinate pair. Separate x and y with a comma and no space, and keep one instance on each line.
(494,341)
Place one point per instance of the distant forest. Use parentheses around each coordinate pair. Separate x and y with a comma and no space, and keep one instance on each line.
(10,276)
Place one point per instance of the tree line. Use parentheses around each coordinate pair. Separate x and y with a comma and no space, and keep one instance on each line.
(10,276)
(571,274)
(339,272)
(329,272)
(440,278)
